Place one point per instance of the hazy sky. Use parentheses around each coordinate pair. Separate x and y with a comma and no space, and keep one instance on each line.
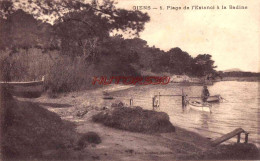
(230,36)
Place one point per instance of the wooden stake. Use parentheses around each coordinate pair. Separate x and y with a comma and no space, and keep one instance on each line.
(159,100)
(131,102)
(238,138)
(153,102)
(246,137)
(182,99)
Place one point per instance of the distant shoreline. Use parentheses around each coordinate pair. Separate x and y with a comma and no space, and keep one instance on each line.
(242,79)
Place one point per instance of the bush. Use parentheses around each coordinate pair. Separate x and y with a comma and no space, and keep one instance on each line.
(29,130)
(236,151)
(89,137)
(136,120)
(69,75)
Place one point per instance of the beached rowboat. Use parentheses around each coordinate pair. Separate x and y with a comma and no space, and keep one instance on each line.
(31,89)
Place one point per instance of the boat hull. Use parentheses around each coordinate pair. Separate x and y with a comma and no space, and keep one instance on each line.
(32,89)
(215,98)
(108,98)
(198,106)
(211,99)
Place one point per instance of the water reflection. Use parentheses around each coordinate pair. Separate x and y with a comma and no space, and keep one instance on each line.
(204,120)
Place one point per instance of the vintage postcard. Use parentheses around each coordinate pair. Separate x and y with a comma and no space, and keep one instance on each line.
(129,80)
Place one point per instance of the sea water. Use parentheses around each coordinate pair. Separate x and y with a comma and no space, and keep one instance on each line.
(240,107)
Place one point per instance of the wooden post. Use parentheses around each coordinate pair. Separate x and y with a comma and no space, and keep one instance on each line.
(131,102)
(153,102)
(159,100)
(238,138)
(246,137)
(182,99)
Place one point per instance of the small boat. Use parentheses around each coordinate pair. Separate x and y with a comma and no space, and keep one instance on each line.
(200,106)
(211,99)
(31,89)
(215,98)
(108,97)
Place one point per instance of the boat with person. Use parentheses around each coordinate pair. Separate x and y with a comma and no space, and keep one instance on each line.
(30,89)
(210,99)
(215,98)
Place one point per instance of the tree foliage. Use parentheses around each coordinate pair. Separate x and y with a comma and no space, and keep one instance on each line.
(82,31)
(203,65)
(79,25)
(179,61)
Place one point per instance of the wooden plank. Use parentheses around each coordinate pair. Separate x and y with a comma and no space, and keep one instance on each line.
(167,95)
(25,84)
(227,136)
(195,97)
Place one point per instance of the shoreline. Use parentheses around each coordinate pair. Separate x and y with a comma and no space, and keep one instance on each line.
(78,108)
(242,79)
(125,145)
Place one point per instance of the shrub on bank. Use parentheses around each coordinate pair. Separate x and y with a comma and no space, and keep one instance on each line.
(68,75)
(236,151)
(62,73)
(88,138)
(26,65)
(135,119)
(30,131)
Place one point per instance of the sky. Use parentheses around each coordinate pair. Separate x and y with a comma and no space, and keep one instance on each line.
(230,36)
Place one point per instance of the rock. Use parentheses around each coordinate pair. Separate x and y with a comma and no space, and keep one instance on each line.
(129,151)
(96,157)
(89,137)
(138,108)
(105,108)
(120,104)
(81,113)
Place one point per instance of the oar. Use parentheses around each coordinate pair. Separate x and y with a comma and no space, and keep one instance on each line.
(224,99)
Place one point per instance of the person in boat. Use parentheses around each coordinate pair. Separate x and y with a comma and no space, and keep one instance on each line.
(205,93)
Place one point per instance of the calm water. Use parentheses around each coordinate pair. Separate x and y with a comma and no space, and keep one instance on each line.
(241,108)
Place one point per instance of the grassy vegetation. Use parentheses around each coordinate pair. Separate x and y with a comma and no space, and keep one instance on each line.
(29,131)
(136,120)
(62,74)
(236,151)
